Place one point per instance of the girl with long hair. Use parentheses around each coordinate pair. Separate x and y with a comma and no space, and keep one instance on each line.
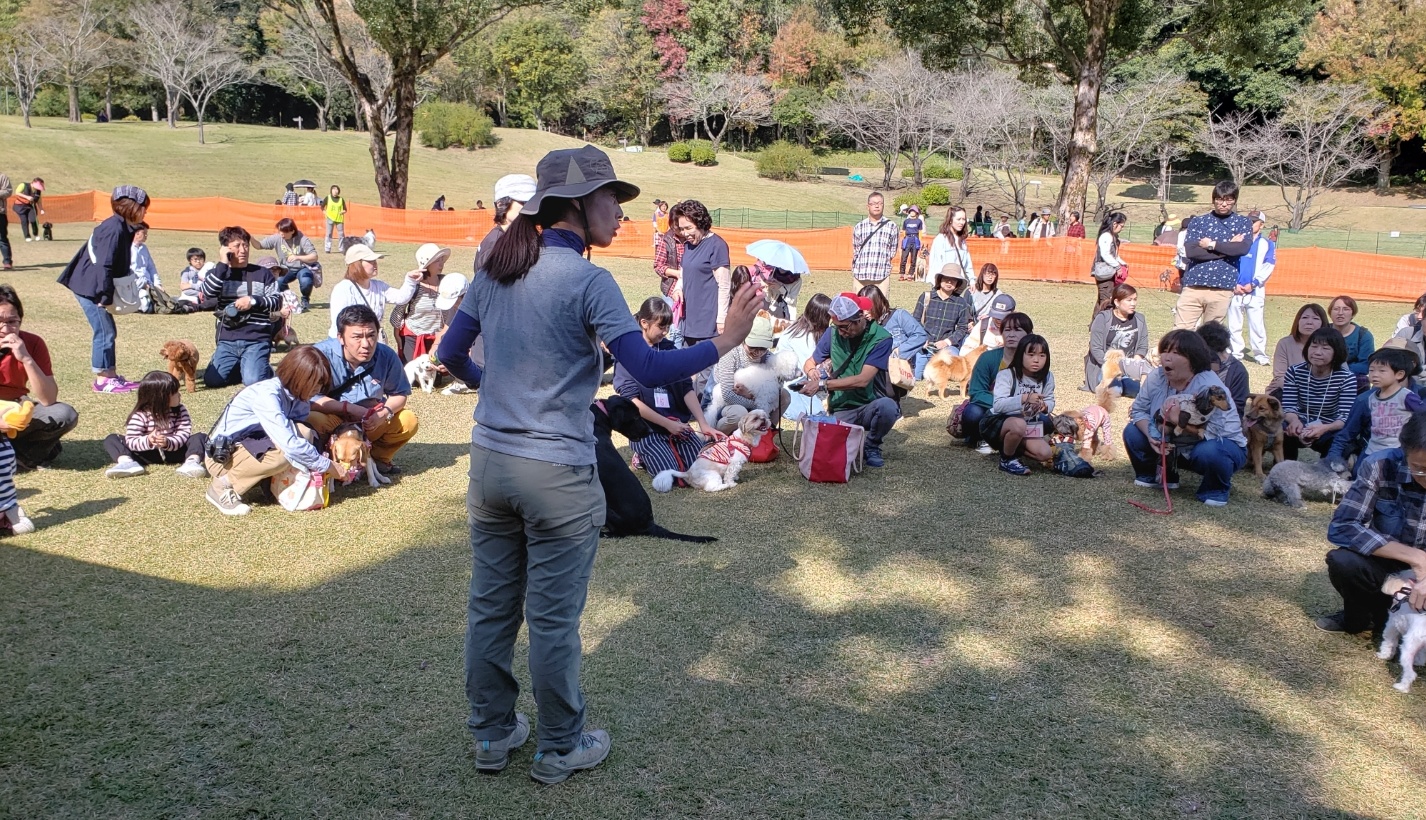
(159,431)
(949,247)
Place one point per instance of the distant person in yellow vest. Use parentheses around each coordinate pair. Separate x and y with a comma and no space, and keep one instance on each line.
(335,209)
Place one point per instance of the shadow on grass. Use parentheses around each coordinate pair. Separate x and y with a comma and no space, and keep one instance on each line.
(1146,191)
(55,516)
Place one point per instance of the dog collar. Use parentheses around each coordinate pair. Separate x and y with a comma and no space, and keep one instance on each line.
(722,452)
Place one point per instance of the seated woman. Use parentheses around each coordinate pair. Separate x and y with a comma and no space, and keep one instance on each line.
(945,314)
(981,388)
(261,420)
(1360,344)
(1185,368)
(1024,398)
(798,342)
(908,337)
(420,320)
(1288,352)
(1118,326)
(731,401)
(984,290)
(1317,394)
(673,445)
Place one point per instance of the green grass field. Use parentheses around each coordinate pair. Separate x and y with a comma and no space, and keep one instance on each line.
(936,639)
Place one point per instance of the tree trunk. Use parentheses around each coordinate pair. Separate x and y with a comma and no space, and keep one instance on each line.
(1383,170)
(200,125)
(153,110)
(888,167)
(393,168)
(73,102)
(322,118)
(109,96)
(171,100)
(1083,143)
(27,125)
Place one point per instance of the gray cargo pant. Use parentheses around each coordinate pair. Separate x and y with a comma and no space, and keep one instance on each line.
(534,530)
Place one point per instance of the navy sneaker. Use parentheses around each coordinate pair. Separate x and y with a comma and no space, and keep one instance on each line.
(873,457)
(1013,466)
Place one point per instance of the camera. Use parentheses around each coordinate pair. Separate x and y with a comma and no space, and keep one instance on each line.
(220,449)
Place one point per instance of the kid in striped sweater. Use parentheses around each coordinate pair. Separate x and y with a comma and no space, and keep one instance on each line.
(159,431)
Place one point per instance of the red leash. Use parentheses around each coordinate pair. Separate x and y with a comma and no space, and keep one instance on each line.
(1163,479)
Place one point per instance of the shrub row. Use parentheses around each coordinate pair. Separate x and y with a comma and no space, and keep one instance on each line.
(443,125)
(786,161)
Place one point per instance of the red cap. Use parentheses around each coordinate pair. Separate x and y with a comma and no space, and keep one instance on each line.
(862,302)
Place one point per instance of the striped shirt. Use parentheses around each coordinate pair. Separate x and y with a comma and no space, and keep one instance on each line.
(176,430)
(1328,399)
(873,246)
(8,496)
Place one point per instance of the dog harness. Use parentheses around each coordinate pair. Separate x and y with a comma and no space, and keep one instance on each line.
(722,452)
(1401,595)
(1096,420)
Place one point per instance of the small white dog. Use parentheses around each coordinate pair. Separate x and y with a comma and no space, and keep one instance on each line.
(422,369)
(1405,624)
(763,380)
(718,465)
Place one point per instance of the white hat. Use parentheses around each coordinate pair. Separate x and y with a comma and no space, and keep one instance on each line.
(452,288)
(359,252)
(519,187)
(430,252)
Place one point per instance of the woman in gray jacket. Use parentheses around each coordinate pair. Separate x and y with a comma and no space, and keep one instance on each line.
(1117,326)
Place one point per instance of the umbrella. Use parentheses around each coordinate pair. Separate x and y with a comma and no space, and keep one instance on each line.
(778,254)
(304,183)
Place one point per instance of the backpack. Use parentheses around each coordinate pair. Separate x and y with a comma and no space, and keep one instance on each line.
(1068,462)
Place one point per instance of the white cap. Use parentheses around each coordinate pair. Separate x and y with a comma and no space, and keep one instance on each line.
(430,252)
(359,252)
(519,187)
(452,288)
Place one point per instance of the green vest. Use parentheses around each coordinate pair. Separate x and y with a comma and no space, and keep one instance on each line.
(848,361)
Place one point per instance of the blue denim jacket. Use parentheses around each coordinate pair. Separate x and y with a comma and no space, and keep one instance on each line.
(1222,425)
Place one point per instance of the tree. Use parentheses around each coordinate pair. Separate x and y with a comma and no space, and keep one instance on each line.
(722,99)
(27,72)
(216,68)
(891,109)
(72,43)
(1079,40)
(667,20)
(1322,139)
(1015,130)
(623,69)
(1380,44)
(542,67)
(796,108)
(168,45)
(1230,139)
(412,37)
(302,68)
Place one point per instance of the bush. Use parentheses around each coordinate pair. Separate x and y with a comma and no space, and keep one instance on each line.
(443,125)
(703,155)
(935,194)
(88,118)
(908,198)
(934,169)
(131,118)
(786,161)
(680,152)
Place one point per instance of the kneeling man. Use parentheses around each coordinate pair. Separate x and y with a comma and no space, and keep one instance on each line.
(369,387)
(850,363)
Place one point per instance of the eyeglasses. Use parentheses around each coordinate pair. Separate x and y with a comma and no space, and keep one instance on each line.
(12,322)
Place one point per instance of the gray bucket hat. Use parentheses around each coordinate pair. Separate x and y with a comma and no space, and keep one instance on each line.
(571,173)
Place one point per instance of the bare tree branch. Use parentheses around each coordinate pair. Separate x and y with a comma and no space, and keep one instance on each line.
(73,44)
(726,98)
(27,72)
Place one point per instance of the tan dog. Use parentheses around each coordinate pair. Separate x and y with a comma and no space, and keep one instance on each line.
(351,451)
(1112,371)
(946,367)
(1263,421)
(182,359)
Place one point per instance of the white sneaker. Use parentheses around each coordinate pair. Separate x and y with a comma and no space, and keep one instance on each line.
(226,499)
(28,239)
(126,467)
(1214,502)
(1263,361)
(984,448)
(20,524)
(455,390)
(192,468)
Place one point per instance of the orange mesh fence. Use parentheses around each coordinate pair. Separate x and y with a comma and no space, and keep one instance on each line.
(1313,272)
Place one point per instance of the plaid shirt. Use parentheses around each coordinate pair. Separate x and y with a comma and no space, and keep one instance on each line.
(947,319)
(1385,504)
(873,246)
(662,263)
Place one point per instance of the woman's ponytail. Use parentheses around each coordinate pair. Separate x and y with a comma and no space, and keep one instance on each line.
(515,252)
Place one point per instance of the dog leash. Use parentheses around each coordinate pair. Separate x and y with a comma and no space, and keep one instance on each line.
(1401,595)
(1163,478)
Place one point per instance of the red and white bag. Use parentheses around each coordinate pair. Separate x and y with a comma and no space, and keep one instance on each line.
(828,450)
(298,490)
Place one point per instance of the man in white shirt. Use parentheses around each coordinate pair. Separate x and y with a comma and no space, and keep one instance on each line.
(1254,268)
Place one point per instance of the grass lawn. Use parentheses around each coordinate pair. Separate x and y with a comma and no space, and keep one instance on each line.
(936,639)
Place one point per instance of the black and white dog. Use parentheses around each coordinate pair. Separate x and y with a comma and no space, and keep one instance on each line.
(628,510)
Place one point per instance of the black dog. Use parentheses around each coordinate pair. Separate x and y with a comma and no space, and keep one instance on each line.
(628,510)
(49,231)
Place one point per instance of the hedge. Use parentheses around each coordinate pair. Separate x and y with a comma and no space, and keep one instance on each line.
(679,152)
(786,161)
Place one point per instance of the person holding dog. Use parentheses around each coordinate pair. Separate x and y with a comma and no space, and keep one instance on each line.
(27,205)
(90,277)
(298,257)
(1379,529)
(734,401)
(371,388)
(850,364)
(260,433)
(26,375)
(246,296)
(535,502)
(1118,326)
(1185,368)
(945,316)
(671,408)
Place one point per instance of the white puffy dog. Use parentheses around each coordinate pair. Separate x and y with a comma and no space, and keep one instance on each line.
(1407,625)
(718,465)
(763,380)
